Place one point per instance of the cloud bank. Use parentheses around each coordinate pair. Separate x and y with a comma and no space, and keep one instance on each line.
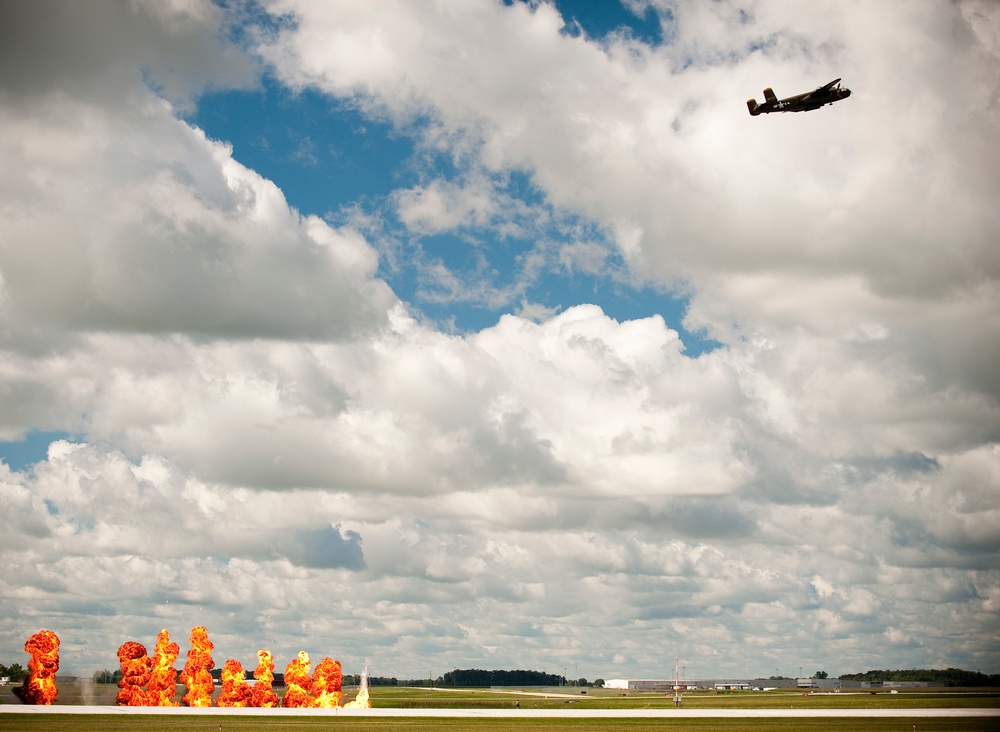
(270,443)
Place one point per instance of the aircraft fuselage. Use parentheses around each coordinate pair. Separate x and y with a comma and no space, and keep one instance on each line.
(827,94)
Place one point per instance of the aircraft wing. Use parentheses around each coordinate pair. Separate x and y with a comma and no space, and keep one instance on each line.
(819,91)
(820,97)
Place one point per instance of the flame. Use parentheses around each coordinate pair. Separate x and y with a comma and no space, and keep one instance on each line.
(39,687)
(322,689)
(298,682)
(361,701)
(327,680)
(196,671)
(135,675)
(262,694)
(163,677)
(235,689)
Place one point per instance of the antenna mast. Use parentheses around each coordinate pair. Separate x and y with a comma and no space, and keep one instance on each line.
(677,685)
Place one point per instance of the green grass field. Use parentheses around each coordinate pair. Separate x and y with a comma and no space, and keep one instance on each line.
(102,723)
(402,697)
(411,698)
(567,697)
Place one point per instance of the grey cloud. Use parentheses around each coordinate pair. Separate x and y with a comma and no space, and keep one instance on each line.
(938,545)
(105,47)
(88,607)
(327,548)
(897,241)
(201,257)
(144,225)
(515,453)
(709,518)
(824,483)
(903,464)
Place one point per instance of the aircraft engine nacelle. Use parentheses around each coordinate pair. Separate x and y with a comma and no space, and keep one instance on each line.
(753,107)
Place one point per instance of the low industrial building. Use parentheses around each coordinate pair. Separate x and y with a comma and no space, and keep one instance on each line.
(667,685)
(640,684)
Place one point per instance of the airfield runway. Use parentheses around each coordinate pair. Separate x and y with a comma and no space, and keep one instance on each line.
(510,713)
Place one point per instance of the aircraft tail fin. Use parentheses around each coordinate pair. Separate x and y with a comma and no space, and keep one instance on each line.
(753,107)
(770,96)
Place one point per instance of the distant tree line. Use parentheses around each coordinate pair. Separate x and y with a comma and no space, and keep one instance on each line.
(14,672)
(112,677)
(106,676)
(476,678)
(355,680)
(942,677)
(479,677)
(458,677)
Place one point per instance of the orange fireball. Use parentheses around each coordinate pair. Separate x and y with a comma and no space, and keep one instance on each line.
(298,682)
(235,689)
(262,694)
(327,680)
(39,686)
(322,689)
(135,675)
(163,676)
(196,671)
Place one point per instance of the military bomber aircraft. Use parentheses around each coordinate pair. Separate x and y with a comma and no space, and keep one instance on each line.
(826,94)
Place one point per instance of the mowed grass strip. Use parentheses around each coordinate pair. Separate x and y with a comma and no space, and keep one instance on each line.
(414,698)
(151,723)
(556,698)
(402,697)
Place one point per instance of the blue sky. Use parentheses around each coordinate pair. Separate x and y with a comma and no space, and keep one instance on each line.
(502,333)
(331,160)
(22,454)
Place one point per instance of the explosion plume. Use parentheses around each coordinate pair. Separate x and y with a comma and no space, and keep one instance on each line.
(235,689)
(151,681)
(39,687)
(262,694)
(361,701)
(135,675)
(298,682)
(326,683)
(163,676)
(196,674)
